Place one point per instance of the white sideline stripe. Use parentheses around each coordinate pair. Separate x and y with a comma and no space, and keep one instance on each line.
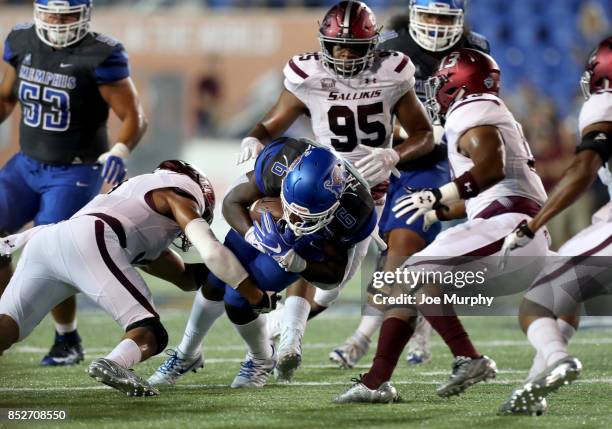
(232,347)
(607,380)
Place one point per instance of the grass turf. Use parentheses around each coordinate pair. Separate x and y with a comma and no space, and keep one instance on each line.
(203,400)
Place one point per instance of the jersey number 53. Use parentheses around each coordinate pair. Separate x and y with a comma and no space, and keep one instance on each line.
(56,118)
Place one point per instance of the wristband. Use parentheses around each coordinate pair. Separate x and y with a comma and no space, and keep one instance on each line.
(467,186)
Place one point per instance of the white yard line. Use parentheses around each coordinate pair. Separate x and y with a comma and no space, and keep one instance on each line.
(607,380)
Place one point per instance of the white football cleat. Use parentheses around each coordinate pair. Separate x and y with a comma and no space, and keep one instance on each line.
(419,349)
(360,393)
(254,372)
(174,367)
(348,354)
(466,372)
(289,354)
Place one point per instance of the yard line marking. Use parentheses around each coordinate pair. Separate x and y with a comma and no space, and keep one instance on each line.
(606,380)
(232,347)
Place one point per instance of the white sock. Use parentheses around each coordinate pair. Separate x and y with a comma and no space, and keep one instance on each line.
(537,366)
(295,313)
(255,334)
(127,353)
(567,330)
(370,322)
(545,336)
(204,313)
(64,328)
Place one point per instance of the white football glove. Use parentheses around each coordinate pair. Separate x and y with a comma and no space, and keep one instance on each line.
(423,201)
(249,149)
(378,165)
(520,237)
(250,238)
(429,219)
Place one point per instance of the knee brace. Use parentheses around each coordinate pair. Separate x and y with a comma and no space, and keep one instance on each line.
(155,326)
(239,315)
(5,260)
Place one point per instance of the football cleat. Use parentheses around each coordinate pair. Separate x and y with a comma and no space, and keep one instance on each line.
(525,399)
(66,350)
(521,403)
(419,350)
(175,366)
(348,354)
(254,372)
(466,372)
(360,393)
(289,354)
(114,375)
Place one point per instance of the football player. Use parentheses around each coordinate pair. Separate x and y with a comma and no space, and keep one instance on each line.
(352,92)
(547,314)
(494,184)
(95,252)
(66,78)
(327,212)
(426,34)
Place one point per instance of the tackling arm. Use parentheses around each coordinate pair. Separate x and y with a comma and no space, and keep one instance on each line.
(577,178)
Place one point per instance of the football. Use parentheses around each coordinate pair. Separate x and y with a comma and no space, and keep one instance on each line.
(266,204)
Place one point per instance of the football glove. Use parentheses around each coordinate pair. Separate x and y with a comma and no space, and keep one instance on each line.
(378,165)
(425,200)
(429,219)
(249,149)
(277,245)
(520,237)
(113,165)
(267,303)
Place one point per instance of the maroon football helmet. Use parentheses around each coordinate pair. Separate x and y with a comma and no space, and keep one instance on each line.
(598,73)
(351,24)
(461,73)
(197,176)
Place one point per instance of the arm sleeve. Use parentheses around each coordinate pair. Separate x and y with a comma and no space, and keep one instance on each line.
(114,68)
(218,258)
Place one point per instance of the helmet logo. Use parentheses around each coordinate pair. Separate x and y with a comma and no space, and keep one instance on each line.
(489,82)
(335,183)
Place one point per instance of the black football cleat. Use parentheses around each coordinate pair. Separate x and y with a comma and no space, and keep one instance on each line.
(66,350)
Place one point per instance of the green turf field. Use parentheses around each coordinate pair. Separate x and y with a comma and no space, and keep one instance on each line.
(204,400)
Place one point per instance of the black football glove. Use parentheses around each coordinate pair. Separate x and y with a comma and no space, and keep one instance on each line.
(267,303)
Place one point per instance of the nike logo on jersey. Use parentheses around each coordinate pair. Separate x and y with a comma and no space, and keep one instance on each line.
(64,65)
(335,96)
(276,249)
(82,185)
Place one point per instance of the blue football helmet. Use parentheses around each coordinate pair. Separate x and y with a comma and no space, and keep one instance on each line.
(61,23)
(437,25)
(311,190)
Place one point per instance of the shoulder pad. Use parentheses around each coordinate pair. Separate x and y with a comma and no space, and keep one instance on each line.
(107,40)
(23,26)
(396,64)
(478,41)
(302,66)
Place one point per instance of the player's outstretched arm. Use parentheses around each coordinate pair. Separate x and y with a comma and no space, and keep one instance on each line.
(580,174)
(170,267)
(7,99)
(414,120)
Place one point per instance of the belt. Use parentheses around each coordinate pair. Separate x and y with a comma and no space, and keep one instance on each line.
(514,204)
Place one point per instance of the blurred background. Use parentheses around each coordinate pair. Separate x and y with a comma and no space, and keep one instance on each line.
(207,70)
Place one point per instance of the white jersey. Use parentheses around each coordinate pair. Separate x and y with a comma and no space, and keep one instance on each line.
(521,178)
(148,233)
(598,108)
(348,112)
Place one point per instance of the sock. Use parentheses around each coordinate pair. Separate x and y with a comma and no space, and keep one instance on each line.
(127,353)
(394,334)
(370,322)
(204,313)
(545,336)
(295,313)
(450,328)
(65,328)
(567,330)
(255,334)
(537,366)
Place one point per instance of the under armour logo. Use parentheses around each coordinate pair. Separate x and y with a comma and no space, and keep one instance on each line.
(8,243)
(601,137)
(468,187)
